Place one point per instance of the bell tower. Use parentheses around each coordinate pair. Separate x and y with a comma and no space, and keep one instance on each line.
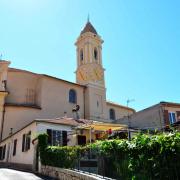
(90,72)
(89,57)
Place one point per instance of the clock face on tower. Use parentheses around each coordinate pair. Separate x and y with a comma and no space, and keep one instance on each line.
(92,73)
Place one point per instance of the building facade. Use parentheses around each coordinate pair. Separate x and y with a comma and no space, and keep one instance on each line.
(159,116)
(25,96)
(20,149)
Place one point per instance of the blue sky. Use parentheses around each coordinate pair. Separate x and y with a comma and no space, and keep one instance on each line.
(141,50)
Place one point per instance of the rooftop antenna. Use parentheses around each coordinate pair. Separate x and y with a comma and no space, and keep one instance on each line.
(129,120)
(129,100)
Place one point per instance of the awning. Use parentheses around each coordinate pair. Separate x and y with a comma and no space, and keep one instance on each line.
(101,126)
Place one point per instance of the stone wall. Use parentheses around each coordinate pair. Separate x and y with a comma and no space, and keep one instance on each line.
(67,174)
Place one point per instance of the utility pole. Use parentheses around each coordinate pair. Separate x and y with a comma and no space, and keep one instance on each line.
(129,122)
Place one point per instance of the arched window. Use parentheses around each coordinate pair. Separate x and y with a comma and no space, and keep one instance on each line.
(81,55)
(112,114)
(72,96)
(95,54)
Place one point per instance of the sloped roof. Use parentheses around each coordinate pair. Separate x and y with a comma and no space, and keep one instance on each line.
(43,75)
(121,106)
(66,121)
(89,28)
(84,124)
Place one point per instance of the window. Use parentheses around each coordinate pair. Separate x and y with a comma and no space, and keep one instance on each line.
(57,138)
(81,55)
(26,142)
(14,147)
(112,114)
(172,117)
(81,140)
(30,96)
(95,54)
(2,152)
(72,96)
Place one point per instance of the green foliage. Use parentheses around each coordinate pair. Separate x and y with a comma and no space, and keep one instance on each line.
(58,156)
(145,157)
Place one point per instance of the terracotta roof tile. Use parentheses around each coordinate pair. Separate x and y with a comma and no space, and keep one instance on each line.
(89,28)
(66,121)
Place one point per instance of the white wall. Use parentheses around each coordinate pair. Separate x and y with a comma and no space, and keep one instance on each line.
(36,128)
(20,157)
(42,128)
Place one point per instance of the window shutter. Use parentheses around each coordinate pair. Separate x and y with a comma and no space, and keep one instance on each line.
(4,151)
(14,148)
(28,140)
(64,138)
(1,153)
(166,117)
(49,132)
(178,115)
(29,143)
(23,142)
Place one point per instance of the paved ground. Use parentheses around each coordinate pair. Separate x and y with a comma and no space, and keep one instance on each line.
(10,174)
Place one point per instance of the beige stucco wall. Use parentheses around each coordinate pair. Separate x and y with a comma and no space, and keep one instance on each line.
(149,118)
(18,117)
(18,84)
(120,112)
(95,103)
(55,98)
(172,109)
(20,157)
(52,97)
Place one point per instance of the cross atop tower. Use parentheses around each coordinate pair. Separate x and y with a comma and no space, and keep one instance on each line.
(88,18)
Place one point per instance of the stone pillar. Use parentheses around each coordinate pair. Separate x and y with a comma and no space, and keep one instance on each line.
(100,55)
(90,53)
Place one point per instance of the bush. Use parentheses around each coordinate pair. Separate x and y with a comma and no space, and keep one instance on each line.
(145,157)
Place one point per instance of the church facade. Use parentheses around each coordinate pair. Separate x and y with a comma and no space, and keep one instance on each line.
(26,96)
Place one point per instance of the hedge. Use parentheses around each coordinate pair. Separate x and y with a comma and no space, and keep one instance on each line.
(145,157)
